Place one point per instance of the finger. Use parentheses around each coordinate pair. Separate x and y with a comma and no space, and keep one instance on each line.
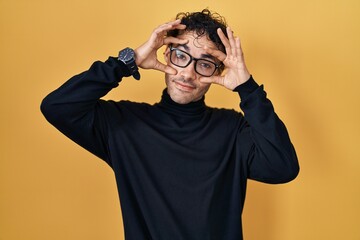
(214,79)
(174,40)
(176,21)
(238,47)
(224,39)
(231,40)
(170,70)
(215,53)
(177,24)
(170,26)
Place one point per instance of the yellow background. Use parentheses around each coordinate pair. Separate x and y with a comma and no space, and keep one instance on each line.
(306,53)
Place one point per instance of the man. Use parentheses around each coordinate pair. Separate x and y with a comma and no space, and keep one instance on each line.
(181,167)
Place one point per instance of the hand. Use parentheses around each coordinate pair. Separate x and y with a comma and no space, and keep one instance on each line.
(146,54)
(236,71)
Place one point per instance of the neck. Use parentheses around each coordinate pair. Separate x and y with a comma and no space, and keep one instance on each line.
(189,109)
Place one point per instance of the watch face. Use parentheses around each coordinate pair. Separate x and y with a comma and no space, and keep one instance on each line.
(126,54)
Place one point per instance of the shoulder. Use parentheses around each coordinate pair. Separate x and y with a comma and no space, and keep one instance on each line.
(226,117)
(122,106)
(225,112)
(132,104)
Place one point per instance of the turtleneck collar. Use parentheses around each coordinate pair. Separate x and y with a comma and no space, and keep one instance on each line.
(190,109)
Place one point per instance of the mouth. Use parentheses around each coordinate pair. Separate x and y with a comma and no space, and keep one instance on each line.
(184,87)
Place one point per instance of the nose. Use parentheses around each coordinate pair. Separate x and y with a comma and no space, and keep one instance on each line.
(188,73)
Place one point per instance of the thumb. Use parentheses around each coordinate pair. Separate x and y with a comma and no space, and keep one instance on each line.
(164,68)
(214,79)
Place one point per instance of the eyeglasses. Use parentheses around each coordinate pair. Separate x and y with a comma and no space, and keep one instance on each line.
(183,59)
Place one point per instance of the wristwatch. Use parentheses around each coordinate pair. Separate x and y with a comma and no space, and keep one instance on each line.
(127,56)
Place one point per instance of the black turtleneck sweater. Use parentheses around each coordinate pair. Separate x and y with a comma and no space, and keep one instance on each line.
(181,170)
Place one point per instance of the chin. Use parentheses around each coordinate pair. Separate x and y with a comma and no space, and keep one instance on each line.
(181,99)
(182,95)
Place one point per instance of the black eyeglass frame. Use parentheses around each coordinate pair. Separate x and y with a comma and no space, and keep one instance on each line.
(217,66)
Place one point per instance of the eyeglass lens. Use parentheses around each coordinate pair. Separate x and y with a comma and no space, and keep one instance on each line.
(183,59)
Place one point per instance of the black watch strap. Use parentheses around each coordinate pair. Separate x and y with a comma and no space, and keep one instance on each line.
(127,56)
(134,70)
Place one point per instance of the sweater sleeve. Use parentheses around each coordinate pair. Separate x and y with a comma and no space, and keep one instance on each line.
(75,108)
(272,158)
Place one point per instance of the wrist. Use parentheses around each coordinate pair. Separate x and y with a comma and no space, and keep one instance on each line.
(137,59)
(127,56)
(246,88)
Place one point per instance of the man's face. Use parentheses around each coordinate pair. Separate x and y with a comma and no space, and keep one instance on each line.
(185,86)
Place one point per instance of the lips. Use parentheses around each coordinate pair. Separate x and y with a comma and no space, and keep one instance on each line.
(184,87)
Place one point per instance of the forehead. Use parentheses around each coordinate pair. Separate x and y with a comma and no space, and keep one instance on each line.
(196,42)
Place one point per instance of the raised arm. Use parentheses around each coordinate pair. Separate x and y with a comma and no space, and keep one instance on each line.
(272,158)
(76,109)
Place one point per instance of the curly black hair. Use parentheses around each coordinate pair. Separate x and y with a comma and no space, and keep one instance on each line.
(202,23)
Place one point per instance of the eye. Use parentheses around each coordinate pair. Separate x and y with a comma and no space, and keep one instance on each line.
(181,55)
(205,65)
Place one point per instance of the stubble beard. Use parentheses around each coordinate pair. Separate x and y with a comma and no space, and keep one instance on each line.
(182,91)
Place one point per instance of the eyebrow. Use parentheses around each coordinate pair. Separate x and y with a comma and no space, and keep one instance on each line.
(186,47)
